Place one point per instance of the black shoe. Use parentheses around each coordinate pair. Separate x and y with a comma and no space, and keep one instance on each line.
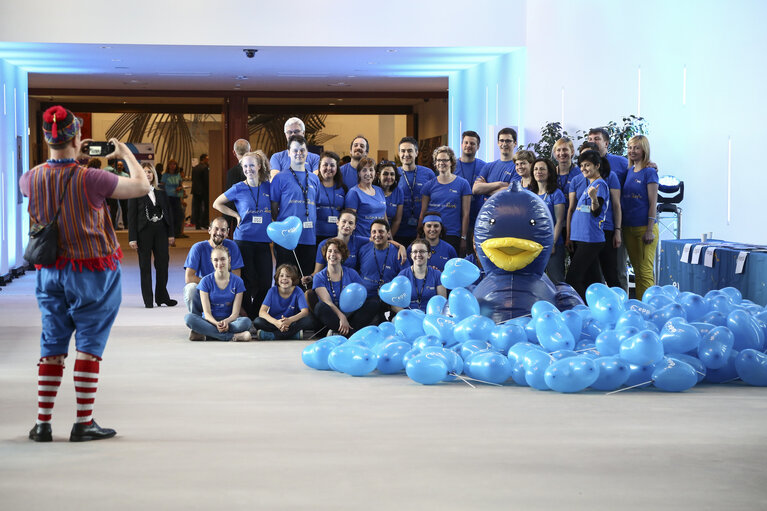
(83,432)
(149,305)
(168,301)
(41,433)
(182,236)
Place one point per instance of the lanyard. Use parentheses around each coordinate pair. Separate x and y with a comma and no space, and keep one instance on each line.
(412,188)
(304,189)
(473,170)
(332,289)
(381,267)
(258,194)
(419,294)
(331,202)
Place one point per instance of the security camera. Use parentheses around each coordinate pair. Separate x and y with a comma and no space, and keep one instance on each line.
(250,52)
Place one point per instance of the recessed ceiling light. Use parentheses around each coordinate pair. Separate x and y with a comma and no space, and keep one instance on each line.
(332,104)
(351,76)
(106,47)
(240,77)
(372,63)
(116,60)
(391,50)
(340,99)
(339,84)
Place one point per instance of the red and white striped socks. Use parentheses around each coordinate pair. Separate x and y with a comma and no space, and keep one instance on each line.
(48,383)
(86,384)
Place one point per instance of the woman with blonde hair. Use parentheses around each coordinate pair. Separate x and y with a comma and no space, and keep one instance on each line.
(563,152)
(638,200)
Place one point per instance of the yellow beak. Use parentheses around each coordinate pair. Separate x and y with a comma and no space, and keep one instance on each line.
(511,254)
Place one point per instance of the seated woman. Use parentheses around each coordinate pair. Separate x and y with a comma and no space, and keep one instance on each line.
(545,186)
(221,297)
(328,285)
(347,223)
(284,313)
(424,279)
(440,251)
(387,178)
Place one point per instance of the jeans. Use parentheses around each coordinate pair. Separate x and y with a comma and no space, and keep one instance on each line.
(203,326)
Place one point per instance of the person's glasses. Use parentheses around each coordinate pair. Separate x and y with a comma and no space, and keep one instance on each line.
(293,132)
(442,161)
(505,141)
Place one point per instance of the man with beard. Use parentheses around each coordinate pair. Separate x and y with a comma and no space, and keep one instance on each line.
(469,168)
(412,180)
(358,150)
(198,264)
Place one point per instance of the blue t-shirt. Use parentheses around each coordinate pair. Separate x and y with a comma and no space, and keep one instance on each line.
(281,161)
(411,183)
(348,175)
(368,208)
(171,182)
(396,198)
(580,183)
(377,267)
(355,242)
(439,255)
(563,182)
(221,300)
(498,170)
(619,165)
(280,307)
(198,257)
(286,190)
(470,172)
(447,201)
(422,289)
(634,199)
(551,200)
(584,226)
(330,202)
(255,208)
(334,288)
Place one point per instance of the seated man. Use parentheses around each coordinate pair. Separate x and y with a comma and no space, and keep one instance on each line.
(198,265)
(379,263)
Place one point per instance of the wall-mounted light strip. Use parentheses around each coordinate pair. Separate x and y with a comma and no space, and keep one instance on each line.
(684,86)
(521,136)
(4,109)
(15,114)
(729,179)
(639,91)
(488,147)
(562,115)
(497,102)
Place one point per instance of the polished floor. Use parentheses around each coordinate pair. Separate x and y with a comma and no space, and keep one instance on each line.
(248,426)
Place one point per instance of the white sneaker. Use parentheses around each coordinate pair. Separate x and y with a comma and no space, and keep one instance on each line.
(242,336)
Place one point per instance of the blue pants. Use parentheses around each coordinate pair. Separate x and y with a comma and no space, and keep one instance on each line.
(83,302)
(204,327)
(192,299)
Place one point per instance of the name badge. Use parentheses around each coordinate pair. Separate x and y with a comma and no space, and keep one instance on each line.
(412,221)
(258,220)
(308,224)
(332,219)
(584,208)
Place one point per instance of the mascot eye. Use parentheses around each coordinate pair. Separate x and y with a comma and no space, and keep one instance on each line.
(532,221)
(492,221)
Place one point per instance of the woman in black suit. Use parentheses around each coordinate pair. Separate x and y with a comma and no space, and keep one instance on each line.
(150,230)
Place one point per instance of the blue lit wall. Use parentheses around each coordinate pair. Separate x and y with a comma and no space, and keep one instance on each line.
(486,98)
(14,219)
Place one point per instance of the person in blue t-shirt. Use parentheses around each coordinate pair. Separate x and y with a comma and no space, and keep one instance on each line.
(496,176)
(639,199)
(544,185)
(432,230)
(253,214)
(284,313)
(331,197)
(450,196)
(281,161)
(469,167)
(425,280)
(328,285)
(357,150)
(379,263)
(221,296)
(586,225)
(412,180)
(366,199)
(563,151)
(294,193)
(387,179)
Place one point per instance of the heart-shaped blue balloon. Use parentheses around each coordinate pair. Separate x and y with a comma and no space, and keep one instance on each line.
(285,233)
(397,292)
(459,273)
(436,304)
(462,303)
(352,297)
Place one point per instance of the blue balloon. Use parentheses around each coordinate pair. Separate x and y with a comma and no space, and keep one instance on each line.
(440,326)
(316,354)
(410,354)
(560,354)
(572,374)
(426,368)
(678,336)
(674,376)
(716,347)
(640,307)
(506,335)
(703,328)
(471,347)
(536,362)
(592,328)
(630,318)
(391,357)
(489,366)
(715,318)
(427,340)
(355,360)
(473,327)
(606,306)
(409,323)
(518,350)
(652,292)
(695,363)
(574,323)
(613,372)
(608,343)
(660,301)
(642,349)
(751,366)
(453,360)
(542,306)
(694,305)
(724,374)
(387,328)
(733,293)
(436,304)
(530,332)
(285,233)
(640,375)
(747,334)
(660,316)
(552,332)
(397,292)
(621,293)
(369,335)
(459,273)
(462,303)
(670,290)
(352,297)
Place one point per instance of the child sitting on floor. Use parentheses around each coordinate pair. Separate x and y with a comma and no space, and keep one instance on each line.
(284,313)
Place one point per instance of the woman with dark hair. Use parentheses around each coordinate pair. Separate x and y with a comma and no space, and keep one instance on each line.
(545,185)
(425,279)
(172,183)
(586,233)
(366,199)
(433,231)
(252,198)
(150,231)
(284,313)
(387,178)
(331,196)
(328,285)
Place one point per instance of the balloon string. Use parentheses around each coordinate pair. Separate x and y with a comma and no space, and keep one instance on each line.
(315,333)
(475,379)
(462,379)
(732,379)
(628,388)
(299,264)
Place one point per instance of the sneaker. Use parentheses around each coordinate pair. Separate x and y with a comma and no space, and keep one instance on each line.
(196,336)
(266,336)
(242,336)
(331,333)
(300,335)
